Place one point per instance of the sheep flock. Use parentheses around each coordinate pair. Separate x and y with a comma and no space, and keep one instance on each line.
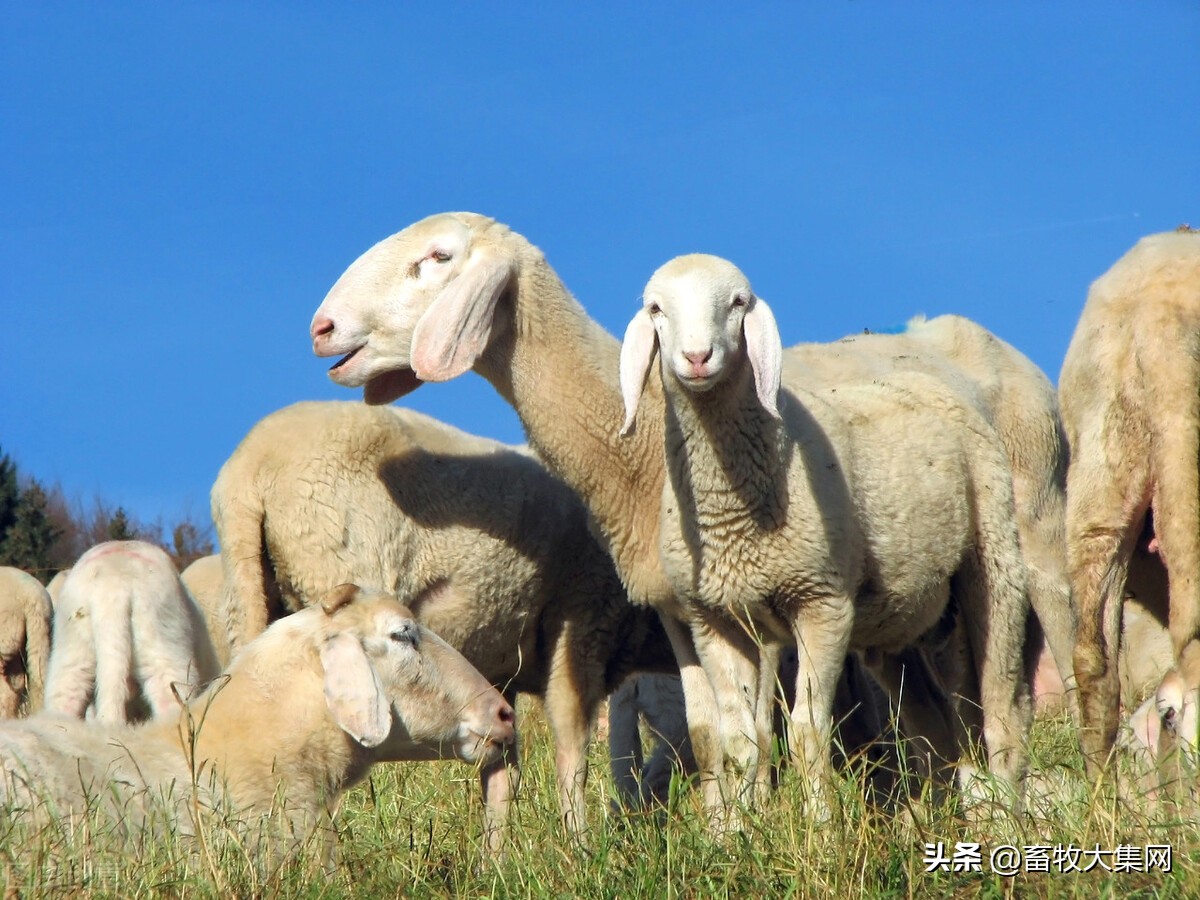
(779,559)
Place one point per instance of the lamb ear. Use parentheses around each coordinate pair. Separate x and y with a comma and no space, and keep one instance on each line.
(454,330)
(637,353)
(1146,722)
(764,347)
(353,691)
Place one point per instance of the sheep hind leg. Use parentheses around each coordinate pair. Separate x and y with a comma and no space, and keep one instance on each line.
(625,743)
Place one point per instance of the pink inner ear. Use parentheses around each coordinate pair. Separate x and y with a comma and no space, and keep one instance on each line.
(637,354)
(764,348)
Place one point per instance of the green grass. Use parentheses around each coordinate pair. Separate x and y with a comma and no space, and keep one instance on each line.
(413,830)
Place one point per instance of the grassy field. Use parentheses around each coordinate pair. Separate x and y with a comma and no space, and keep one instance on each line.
(413,830)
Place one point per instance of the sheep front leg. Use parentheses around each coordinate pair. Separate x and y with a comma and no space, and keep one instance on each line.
(572,697)
(703,716)
(730,658)
(822,631)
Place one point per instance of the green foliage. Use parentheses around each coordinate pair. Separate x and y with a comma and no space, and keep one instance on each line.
(119,527)
(27,542)
(10,494)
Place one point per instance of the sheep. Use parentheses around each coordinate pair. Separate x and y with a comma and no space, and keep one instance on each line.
(457,291)
(297,719)
(54,588)
(25,616)
(1017,399)
(1130,395)
(488,548)
(126,631)
(205,582)
(852,518)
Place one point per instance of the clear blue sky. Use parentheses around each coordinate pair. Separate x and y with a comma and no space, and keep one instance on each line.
(181,183)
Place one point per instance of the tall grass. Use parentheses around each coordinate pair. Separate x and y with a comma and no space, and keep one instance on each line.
(413,830)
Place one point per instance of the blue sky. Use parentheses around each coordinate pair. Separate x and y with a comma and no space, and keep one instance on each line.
(181,183)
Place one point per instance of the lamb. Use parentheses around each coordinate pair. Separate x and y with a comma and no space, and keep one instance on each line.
(838,519)
(488,548)
(299,717)
(458,291)
(126,631)
(1130,395)
(25,616)
(205,582)
(1017,399)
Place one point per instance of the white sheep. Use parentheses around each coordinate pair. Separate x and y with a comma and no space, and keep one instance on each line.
(488,548)
(849,525)
(1017,399)
(25,617)
(298,718)
(54,588)
(1130,394)
(205,582)
(126,631)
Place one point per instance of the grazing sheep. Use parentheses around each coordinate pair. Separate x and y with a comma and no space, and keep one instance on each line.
(1130,394)
(1017,399)
(298,718)
(205,582)
(488,549)
(125,630)
(853,518)
(25,616)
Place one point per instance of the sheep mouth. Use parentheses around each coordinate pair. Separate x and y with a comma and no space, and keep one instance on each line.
(345,359)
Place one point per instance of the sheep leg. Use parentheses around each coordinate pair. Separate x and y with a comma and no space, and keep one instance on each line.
(625,743)
(924,712)
(1177,526)
(822,641)
(703,716)
(730,657)
(1100,540)
(499,782)
(572,699)
(71,672)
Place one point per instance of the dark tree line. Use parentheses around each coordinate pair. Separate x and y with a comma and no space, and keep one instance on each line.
(43,531)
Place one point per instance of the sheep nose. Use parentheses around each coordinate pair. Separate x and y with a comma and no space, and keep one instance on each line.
(698,357)
(321,331)
(503,729)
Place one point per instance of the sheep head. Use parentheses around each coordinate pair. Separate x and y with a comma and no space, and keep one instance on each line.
(701,316)
(416,307)
(400,690)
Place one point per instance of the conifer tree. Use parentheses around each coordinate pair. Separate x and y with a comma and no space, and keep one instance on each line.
(28,541)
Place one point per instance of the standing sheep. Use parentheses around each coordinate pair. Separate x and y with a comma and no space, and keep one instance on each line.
(297,719)
(1130,393)
(125,630)
(25,616)
(849,525)
(1017,399)
(488,548)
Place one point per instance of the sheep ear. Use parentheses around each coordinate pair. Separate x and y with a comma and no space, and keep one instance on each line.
(1146,722)
(339,597)
(637,353)
(765,350)
(354,692)
(454,330)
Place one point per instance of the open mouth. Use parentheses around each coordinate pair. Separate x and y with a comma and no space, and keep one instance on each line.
(345,359)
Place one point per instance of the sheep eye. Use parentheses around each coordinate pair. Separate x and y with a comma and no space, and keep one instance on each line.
(440,256)
(740,300)
(654,309)
(406,634)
